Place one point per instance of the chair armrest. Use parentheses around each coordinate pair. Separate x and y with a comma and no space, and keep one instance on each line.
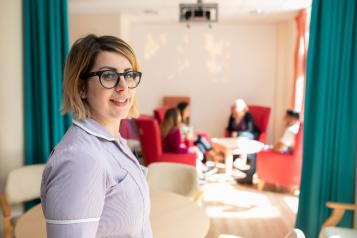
(337,212)
(271,155)
(198,197)
(262,137)
(346,206)
(5,208)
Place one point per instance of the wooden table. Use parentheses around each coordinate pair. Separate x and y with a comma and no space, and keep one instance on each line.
(171,216)
(238,146)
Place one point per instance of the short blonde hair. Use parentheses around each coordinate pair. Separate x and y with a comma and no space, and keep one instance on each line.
(81,60)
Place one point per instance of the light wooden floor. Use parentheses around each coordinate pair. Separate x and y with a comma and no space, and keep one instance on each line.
(238,211)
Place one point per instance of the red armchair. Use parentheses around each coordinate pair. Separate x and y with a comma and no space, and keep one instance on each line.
(172,101)
(281,169)
(128,129)
(261,116)
(149,135)
(159,113)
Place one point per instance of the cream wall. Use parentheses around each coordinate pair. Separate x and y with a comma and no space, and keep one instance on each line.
(81,24)
(213,66)
(286,41)
(11,99)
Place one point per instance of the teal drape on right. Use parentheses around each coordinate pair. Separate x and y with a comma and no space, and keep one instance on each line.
(46,43)
(329,156)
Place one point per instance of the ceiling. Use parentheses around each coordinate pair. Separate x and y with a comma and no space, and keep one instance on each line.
(168,10)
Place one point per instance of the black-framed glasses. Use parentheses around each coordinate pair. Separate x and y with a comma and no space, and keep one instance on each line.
(110,78)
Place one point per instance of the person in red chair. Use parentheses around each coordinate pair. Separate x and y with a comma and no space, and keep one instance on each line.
(200,140)
(170,132)
(172,140)
(186,128)
(287,141)
(241,124)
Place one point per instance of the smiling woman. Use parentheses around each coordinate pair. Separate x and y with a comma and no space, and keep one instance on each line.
(93,186)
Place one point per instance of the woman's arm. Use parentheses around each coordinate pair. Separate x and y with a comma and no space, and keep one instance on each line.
(251,127)
(176,142)
(72,194)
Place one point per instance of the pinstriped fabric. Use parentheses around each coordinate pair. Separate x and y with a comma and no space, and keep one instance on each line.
(93,186)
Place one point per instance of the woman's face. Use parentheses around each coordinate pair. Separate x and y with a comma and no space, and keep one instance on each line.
(186,113)
(178,119)
(109,105)
(238,114)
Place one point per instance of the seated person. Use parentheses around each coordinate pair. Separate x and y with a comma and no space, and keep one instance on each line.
(208,151)
(186,129)
(172,139)
(171,134)
(241,122)
(287,141)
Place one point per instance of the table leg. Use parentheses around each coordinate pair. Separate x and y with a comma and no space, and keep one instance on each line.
(243,157)
(242,162)
(229,164)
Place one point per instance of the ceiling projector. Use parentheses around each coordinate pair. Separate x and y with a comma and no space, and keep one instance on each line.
(198,12)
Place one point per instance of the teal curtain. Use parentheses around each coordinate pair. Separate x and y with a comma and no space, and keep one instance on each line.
(329,156)
(46,43)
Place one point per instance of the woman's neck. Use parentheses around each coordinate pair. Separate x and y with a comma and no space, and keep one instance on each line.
(112,126)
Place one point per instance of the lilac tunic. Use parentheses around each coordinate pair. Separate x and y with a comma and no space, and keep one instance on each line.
(93,186)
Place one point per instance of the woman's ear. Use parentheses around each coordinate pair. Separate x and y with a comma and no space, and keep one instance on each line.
(83,91)
(83,94)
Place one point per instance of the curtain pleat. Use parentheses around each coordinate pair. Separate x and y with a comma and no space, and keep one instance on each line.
(330,129)
(46,43)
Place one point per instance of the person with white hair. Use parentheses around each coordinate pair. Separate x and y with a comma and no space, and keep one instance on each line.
(241,124)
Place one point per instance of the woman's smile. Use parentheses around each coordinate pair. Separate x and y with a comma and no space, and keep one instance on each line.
(120,102)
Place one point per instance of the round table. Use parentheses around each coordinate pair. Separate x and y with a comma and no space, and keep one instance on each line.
(169,214)
(238,146)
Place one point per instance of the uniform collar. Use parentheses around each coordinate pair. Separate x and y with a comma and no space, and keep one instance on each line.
(94,128)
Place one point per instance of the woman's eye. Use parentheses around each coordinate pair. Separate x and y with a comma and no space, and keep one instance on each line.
(109,76)
(130,75)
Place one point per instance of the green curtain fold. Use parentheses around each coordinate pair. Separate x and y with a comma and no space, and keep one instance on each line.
(46,43)
(330,128)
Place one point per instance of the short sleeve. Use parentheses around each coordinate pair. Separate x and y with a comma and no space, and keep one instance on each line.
(288,138)
(73,193)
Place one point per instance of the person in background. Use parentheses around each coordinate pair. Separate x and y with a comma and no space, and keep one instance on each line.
(170,132)
(208,151)
(241,122)
(172,140)
(92,185)
(186,128)
(292,124)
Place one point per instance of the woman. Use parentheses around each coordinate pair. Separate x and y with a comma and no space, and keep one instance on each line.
(241,122)
(207,151)
(93,186)
(186,129)
(171,134)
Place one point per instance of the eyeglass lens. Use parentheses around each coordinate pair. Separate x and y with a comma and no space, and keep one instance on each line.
(110,78)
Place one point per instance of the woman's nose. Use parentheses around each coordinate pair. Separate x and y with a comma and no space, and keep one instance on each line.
(121,85)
